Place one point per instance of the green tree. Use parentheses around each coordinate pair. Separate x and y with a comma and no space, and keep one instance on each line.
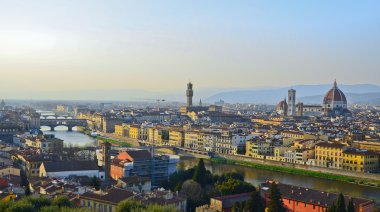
(156,208)
(39,202)
(233,186)
(275,203)
(236,207)
(51,208)
(129,206)
(194,194)
(61,201)
(351,207)
(95,183)
(254,203)
(332,208)
(22,206)
(200,172)
(340,204)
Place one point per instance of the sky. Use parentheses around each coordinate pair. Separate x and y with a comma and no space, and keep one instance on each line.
(49,46)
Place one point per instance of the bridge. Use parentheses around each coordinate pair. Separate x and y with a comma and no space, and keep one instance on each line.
(69,123)
(55,116)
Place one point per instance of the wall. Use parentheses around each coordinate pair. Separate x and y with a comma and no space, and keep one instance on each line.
(368,176)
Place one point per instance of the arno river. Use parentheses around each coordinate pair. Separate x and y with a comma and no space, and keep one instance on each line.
(254,176)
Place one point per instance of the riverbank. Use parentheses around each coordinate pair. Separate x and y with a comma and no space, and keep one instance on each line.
(114,141)
(354,180)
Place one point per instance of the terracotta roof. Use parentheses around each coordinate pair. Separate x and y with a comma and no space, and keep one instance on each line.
(139,154)
(334,94)
(309,195)
(113,196)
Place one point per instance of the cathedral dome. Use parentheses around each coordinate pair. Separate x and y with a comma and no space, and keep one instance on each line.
(282,107)
(335,95)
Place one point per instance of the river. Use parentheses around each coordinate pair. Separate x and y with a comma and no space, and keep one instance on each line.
(257,176)
(73,138)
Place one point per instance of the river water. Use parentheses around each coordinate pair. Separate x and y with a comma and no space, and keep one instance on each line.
(257,176)
(73,138)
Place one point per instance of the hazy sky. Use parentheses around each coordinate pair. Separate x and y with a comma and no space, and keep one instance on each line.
(161,44)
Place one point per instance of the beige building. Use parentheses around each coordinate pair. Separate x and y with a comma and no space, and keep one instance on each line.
(47,144)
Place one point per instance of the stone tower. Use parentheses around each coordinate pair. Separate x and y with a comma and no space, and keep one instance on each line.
(2,105)
(189,94)
(291,102)
(106,156)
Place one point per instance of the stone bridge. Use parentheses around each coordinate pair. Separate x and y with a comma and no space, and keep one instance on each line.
(69,123)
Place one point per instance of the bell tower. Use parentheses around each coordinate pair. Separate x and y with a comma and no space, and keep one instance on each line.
(189,94)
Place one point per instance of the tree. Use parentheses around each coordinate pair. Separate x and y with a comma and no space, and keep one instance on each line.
(275,203)
(340,204)
(39,202)
(332,208)
(236,207)
(254,203)
(233,186)
(51,208)
(95,183)
(200,172)
(61,201)
(22,206)
(129,206)
(351,207)
(193,193)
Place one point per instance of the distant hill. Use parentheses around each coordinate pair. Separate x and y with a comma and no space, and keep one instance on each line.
(309,94)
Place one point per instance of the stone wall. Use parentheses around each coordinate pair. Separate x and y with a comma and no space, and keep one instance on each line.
(368,176)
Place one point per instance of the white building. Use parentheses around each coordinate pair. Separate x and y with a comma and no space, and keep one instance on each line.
(64,169)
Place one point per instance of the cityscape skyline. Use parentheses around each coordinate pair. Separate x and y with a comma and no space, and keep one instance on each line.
(76,46)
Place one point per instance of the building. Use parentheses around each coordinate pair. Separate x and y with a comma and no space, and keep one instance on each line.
(335,102)
(223,203)
(291,102)
(64,169)
(109,123)
(360,160)
(300,199)
(104,201)
(106,159)
(189,94)
(329,155)
(46,143)
(282,108)
(176,137)
(135,183)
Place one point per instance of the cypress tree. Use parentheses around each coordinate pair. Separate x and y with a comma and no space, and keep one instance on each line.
(340,204)
(200,173)
(275,203)
(332,208)
(254,204)
(351,207)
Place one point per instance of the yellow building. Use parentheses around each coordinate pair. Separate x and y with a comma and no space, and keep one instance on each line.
(7,197)
(298,135)
(329,155)
(176,137)
(122,130)
(191,139)
(137,132)
(360,161)
(368,145)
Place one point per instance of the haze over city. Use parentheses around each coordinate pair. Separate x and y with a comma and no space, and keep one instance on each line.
(136,47)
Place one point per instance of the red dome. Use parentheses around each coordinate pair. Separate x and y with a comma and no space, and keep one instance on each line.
(334,95)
